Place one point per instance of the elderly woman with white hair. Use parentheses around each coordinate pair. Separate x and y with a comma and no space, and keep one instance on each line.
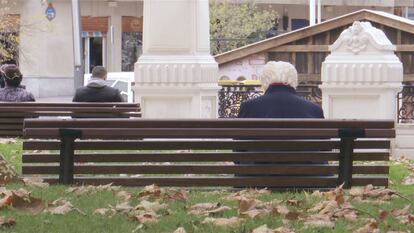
(279,80)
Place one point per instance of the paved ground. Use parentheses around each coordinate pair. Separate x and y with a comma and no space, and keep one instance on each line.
(57,99)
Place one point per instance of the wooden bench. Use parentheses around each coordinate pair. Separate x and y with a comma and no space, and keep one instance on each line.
(202,152)
(13,114)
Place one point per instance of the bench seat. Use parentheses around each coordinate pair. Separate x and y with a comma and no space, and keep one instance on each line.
(199,152)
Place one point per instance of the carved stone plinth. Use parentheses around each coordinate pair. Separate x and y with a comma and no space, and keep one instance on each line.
(362,75)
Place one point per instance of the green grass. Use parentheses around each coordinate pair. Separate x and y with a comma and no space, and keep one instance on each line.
(177,215)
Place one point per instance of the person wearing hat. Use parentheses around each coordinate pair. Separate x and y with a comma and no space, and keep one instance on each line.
(13,91)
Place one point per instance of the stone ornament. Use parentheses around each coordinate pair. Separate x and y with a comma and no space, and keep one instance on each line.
(359,36)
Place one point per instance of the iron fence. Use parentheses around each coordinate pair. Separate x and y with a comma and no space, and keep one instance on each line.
(405,104)
(232,95)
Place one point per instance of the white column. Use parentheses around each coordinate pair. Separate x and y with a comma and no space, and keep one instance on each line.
(176,77)
(312,12)
(46,49)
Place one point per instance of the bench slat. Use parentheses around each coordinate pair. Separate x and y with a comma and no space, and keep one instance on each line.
(211,123)
(250,169)
(188,157)
(189,169)
(206,157)
(227,181)
(252,133)
(187,145)
(205,145)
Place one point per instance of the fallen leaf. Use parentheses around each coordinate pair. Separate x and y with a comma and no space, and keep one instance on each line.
(146,218)
(9,222)
(319,220)
(370,227)
(403,211)
(177,195)
(246,204)
(383,214)
(151,191)
(7,173)
(292,216)
(409,180)
(263,229)
(233,221)
(124,207)
(101,211)
(180,230)
(151,206)
(62,207)
(35,182)
(124,195)
(205,209)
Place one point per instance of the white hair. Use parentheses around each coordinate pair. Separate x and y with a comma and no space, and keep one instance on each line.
(279,72)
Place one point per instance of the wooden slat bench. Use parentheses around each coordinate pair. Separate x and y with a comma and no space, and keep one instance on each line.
(13,114)
(97,151)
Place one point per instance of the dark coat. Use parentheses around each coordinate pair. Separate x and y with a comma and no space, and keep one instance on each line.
(280,101)
(97,94)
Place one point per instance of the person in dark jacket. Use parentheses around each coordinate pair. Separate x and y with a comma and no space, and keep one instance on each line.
(13,91)
(279,80)
(97,89)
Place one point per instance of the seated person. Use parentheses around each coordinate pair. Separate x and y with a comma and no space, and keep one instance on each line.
(279,81)
(13,91)
(97,89)
(280,100)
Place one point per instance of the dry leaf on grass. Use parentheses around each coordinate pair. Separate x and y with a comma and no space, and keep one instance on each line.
(180,230)
(124,207)
(35,182)
(370,227)
(151,191)
(155,192)
(263,229)
(102,211)
(149,217)
(409,180)
(21,200)
(90,189)
(319,220)
(223,222)
(9,222)
(151,206)
(206,209)
(247,193)
(7,173)
(124,195)
(62,207)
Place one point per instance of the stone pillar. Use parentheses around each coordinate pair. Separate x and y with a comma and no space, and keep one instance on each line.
(176,77)
(46,49)
(362,75)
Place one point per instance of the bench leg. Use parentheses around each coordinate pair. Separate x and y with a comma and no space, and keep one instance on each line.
(67,151)
(346,162)
(66,160)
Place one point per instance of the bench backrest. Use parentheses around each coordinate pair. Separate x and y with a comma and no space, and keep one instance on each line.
(202,152)
(13,114)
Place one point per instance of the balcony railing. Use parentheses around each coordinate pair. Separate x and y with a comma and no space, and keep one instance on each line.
(233,93)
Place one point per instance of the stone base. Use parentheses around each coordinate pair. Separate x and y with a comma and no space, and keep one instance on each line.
(49,86)
(375,101)
(404,145)
(177,101)
(172,86)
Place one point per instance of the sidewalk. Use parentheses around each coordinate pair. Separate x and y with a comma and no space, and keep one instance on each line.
(56,99)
